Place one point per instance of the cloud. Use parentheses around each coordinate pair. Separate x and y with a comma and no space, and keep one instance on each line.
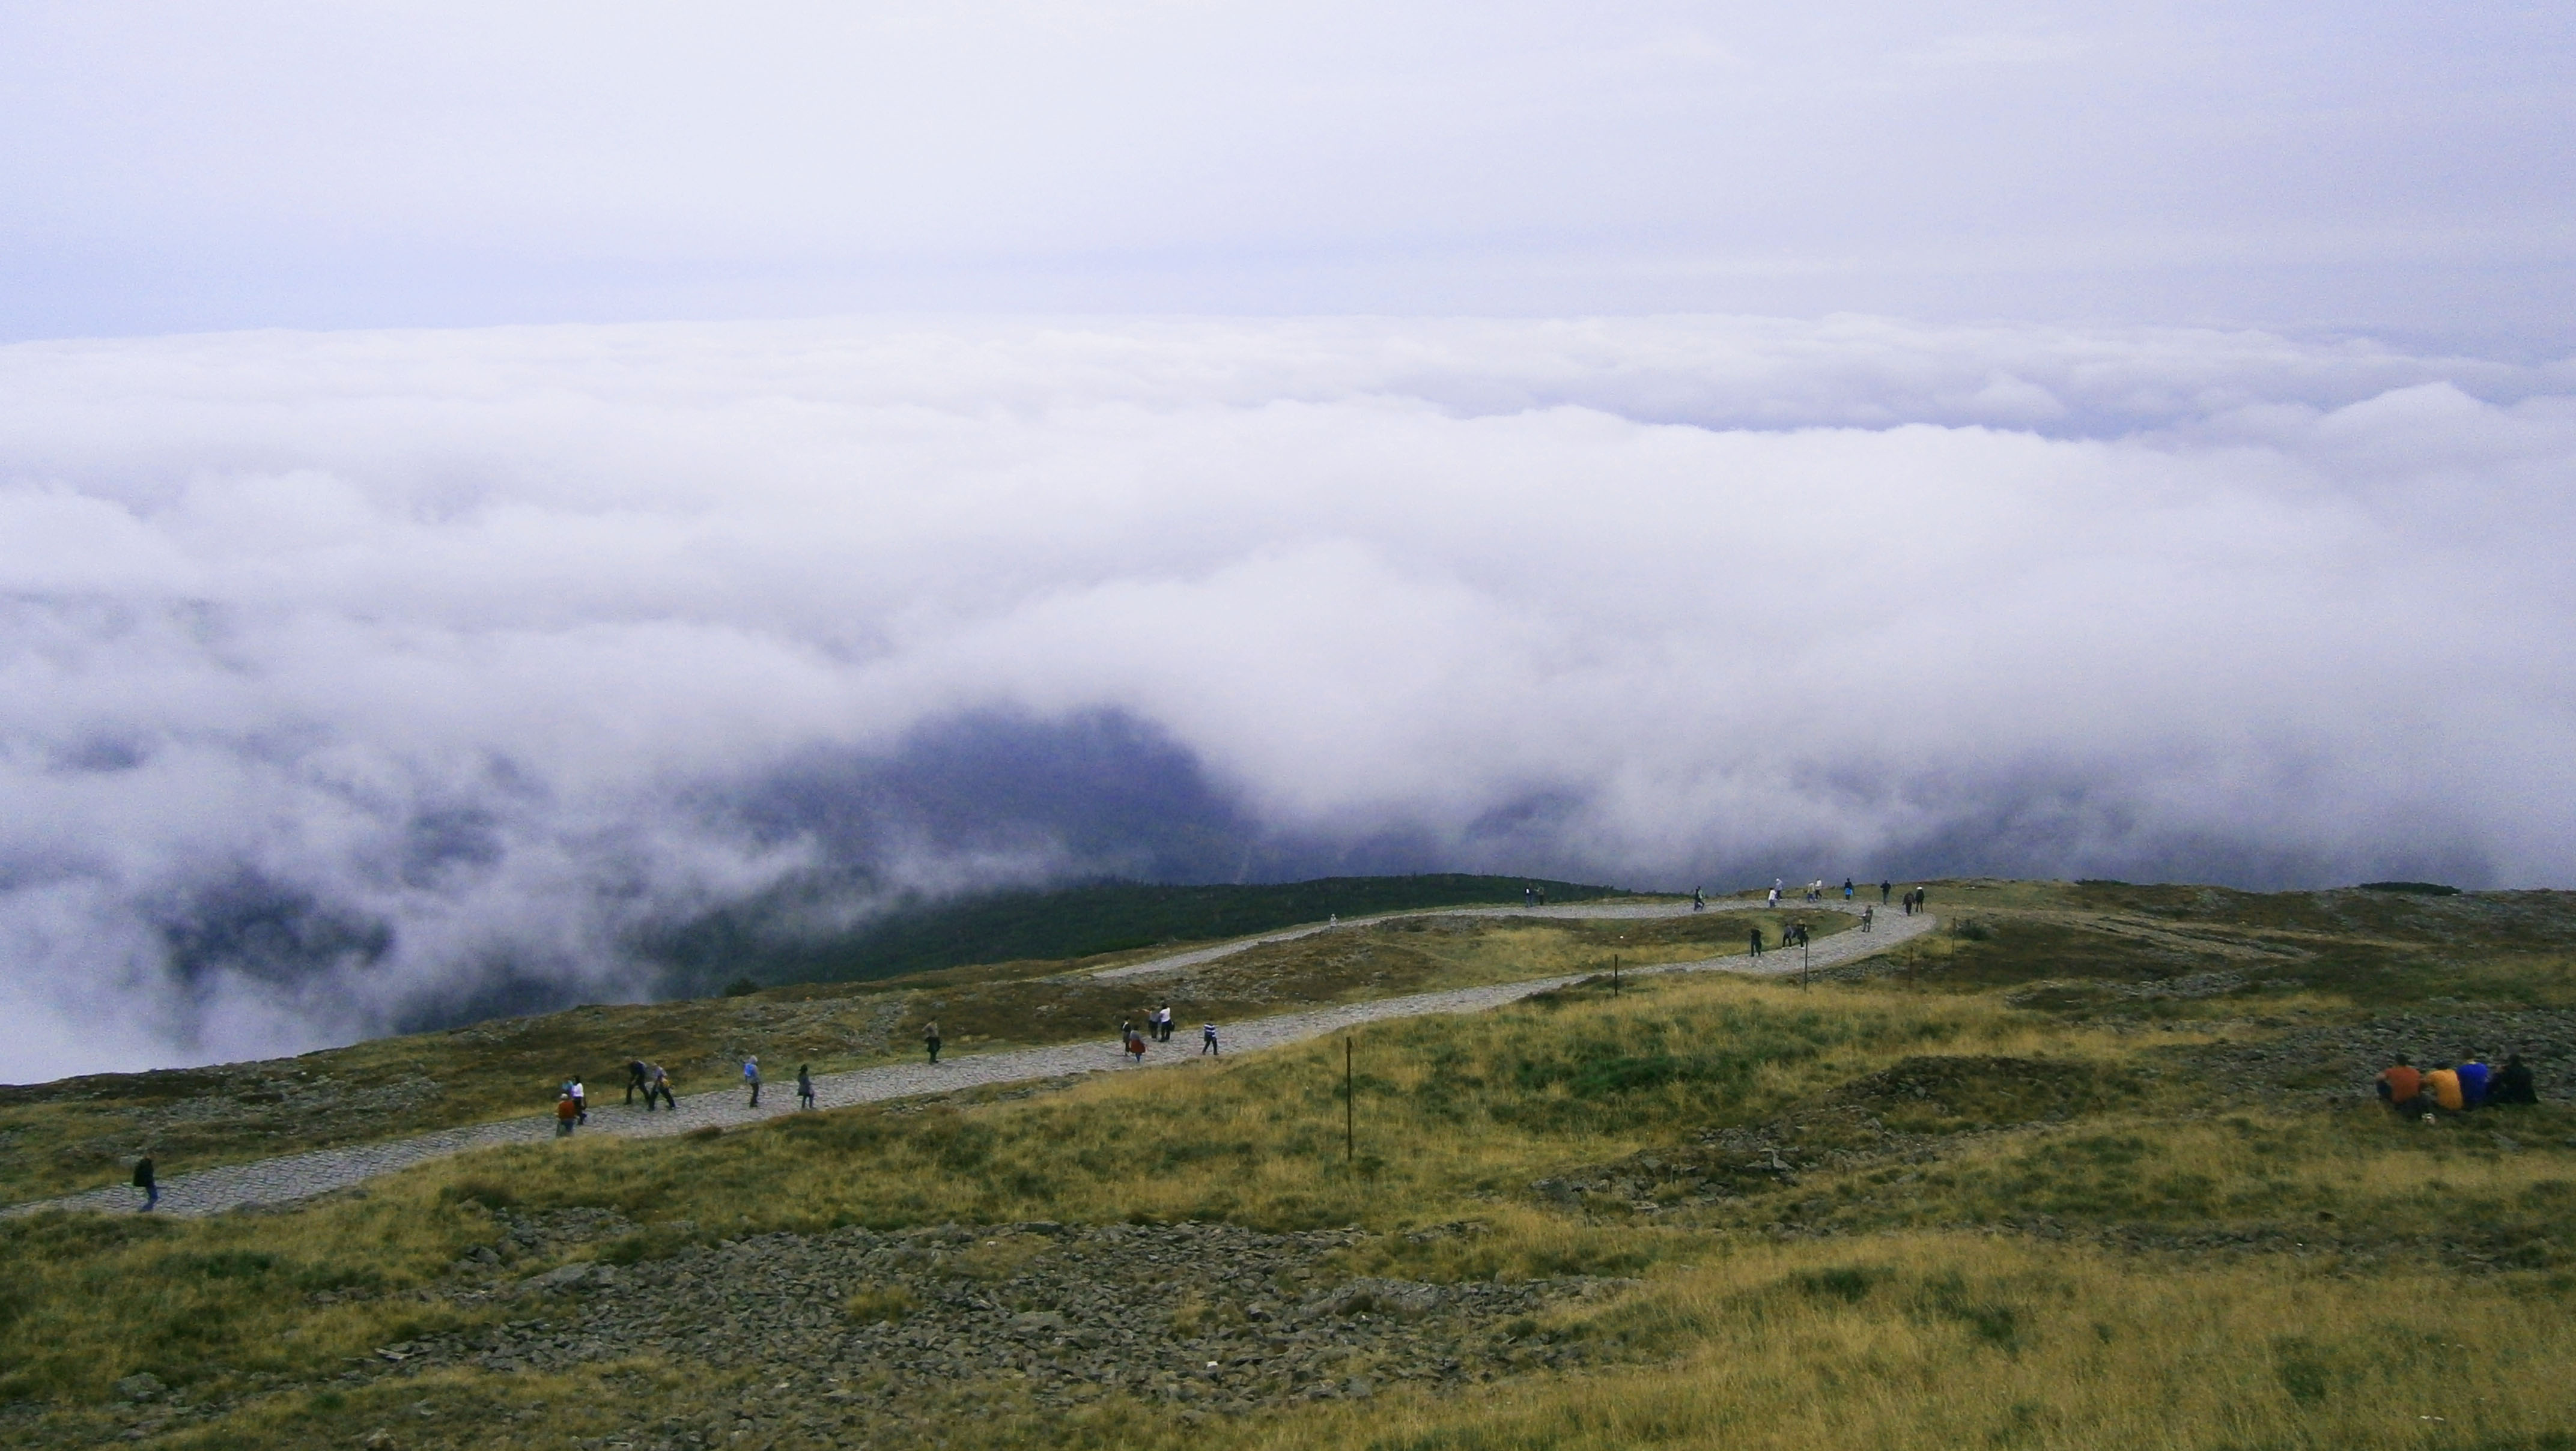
(352,681)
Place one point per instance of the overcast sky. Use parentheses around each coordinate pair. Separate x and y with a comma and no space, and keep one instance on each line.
(2379,166)
(483,487)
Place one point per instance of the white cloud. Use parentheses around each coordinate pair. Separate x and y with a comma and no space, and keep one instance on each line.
(364,676)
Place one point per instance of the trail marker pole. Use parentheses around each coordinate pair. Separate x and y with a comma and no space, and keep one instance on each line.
(1350,1109)
(1614,974)
(1802,963)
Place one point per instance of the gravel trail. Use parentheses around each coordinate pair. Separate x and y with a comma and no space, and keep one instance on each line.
(299,1176)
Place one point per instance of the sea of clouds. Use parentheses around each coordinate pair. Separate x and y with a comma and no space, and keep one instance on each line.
(357,681)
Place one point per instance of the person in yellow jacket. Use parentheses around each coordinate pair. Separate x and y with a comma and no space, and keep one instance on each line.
(2444,1084)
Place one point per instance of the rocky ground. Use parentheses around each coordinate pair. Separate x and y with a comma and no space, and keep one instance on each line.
(855,1334)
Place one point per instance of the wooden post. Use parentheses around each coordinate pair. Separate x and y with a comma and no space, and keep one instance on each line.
(1614,974)
(1350,1109)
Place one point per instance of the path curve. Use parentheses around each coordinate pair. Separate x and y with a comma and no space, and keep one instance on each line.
(1583,911)
(301,1176)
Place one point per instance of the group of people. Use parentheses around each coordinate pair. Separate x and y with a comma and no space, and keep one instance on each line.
(804,1080)
(651,1078)
(2448,1088)
(1791,936)
(1913,900)
(572,1106)
(1158,1028)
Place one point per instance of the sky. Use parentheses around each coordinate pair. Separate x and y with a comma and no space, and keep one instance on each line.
(483,488)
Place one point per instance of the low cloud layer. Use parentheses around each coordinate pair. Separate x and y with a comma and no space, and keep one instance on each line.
(357,681)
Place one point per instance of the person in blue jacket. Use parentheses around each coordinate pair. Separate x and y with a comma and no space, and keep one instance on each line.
(2473,1082)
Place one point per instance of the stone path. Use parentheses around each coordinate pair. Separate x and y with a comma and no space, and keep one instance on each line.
(1587,911)
(299,1176)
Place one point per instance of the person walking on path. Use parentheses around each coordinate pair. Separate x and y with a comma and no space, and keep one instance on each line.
(1699,903)
(638,1077)
(804,1085)
(580,1100)
(1207,1041)
(930,1040)
(1868,917)
(1774,902)
(751,1075)
(1757,943)
(565,1112)
(1847,889)
(144,1181)
(1883,889)
(662,1086)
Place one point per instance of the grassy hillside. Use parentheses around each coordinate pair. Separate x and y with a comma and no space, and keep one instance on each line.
(87,1131)
(2096,1168)
(1072,922)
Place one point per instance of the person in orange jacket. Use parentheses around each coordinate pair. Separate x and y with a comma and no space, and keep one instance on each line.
(2401,1087)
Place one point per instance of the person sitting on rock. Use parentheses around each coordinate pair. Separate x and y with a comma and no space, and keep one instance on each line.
(2473,1082)
(2402,1088)
(2443,1083)
(2513,1083)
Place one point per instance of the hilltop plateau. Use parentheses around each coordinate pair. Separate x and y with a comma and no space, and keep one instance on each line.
(2087,1165)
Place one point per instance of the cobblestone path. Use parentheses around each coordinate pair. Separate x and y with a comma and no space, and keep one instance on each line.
(299,1176)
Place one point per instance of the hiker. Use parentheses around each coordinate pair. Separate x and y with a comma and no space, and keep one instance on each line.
(1698,902)
(1542,896)
(2402,1088)
(2473,1082)
(662,1086)
(152,1191)
(930,1040)
(565,1112)
(637,1077)
(2513,1084)
(1527,893)
(804,1086)
(1163,1023)
(1883,889)
(1207,1040)
(1774,902)
(2443,1083)
(1757,942)
(580,1100)
(751,1075)
(1868,918)
(1135,1045)
(1847,889)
